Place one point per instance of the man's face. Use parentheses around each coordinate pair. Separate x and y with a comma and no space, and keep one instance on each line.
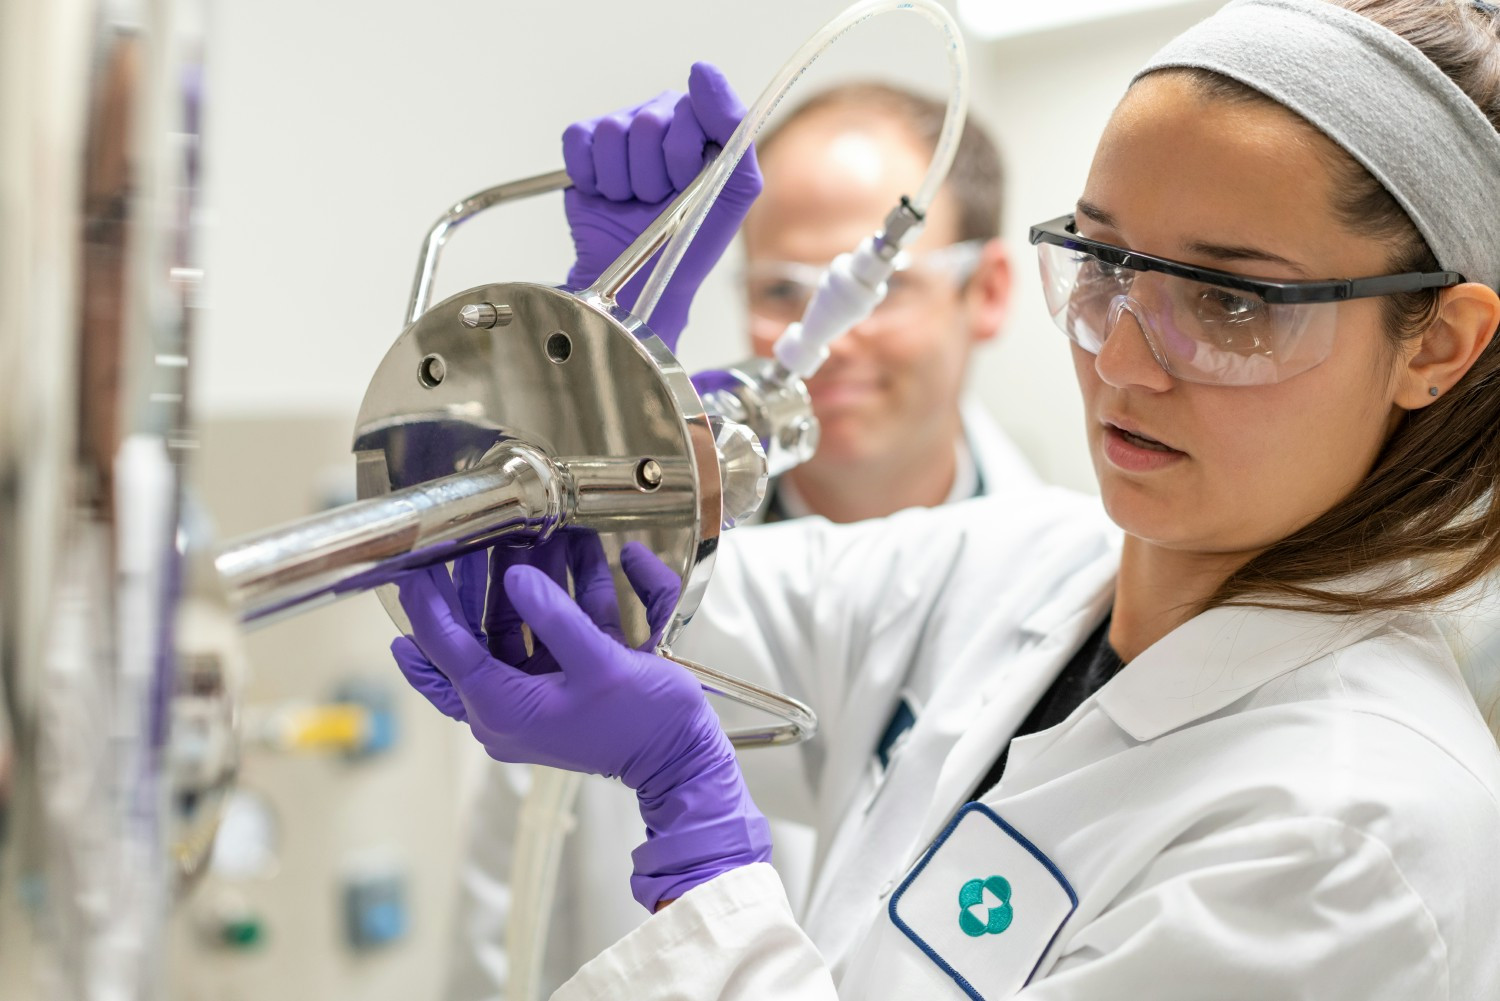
(891,386)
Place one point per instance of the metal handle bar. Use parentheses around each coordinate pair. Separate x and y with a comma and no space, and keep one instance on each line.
(801,722)
(608,284)
(437,236)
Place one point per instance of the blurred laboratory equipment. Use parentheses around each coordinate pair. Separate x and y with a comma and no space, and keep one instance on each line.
(118,651)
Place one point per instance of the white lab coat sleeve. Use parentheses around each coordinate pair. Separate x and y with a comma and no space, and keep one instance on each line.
(1296,908)
(730,939)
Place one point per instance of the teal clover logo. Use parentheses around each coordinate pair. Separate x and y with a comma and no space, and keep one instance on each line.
(984,906)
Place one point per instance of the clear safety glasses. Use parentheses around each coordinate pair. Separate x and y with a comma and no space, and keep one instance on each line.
(1202,325)
(780,290)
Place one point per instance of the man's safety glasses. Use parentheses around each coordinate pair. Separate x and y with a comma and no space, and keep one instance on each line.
(1202,325)
(780,290)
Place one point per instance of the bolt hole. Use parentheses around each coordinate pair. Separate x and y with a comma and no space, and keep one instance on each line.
(648,475)
(432,370)
(559,347)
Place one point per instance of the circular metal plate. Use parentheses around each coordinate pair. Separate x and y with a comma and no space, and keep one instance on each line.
(570,376)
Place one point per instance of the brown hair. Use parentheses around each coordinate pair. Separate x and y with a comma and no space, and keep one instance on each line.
(1426,518)
(977,178)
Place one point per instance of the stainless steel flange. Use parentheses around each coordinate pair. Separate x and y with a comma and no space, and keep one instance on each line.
(577,380)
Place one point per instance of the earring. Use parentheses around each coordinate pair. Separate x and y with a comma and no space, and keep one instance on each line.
(1432,391)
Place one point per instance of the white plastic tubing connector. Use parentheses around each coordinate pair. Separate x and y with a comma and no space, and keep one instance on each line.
(856,285)
(848,292)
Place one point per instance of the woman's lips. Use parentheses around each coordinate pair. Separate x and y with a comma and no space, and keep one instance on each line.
(1134,452)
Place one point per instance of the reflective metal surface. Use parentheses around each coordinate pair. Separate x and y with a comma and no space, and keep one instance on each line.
(742,465)
(577,380)
(772,402)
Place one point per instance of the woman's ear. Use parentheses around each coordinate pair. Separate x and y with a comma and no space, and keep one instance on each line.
(1466,320)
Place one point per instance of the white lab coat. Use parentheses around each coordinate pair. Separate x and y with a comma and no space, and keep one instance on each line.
(594,908)
(1264,804)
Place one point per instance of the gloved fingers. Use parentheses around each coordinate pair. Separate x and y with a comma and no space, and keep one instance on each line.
(655,583)
(684,145)
(502,623)
(578,156)
(471,580)
(586,654)
(426,679)
(437,628)
(446,587)
(594,582)
(578,149)
(719,111)
(611,163)
(715,104)
(648,166)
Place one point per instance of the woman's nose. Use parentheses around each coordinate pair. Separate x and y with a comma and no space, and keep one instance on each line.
(1127,356)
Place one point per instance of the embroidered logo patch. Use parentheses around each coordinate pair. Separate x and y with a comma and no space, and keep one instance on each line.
(1006,924)
(984,906)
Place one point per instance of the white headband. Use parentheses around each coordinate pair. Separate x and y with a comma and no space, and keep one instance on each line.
(1377,96)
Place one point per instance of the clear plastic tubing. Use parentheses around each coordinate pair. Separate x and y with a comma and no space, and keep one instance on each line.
(770,99)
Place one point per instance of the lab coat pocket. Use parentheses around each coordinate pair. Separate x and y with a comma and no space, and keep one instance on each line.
(984,904)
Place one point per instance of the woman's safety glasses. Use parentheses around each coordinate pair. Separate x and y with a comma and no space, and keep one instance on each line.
(1202,325)
(779,291)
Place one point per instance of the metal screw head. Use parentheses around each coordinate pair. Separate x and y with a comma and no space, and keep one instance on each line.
(485,315)
(648,474)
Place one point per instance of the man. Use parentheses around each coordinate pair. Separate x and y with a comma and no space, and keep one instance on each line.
(894,434)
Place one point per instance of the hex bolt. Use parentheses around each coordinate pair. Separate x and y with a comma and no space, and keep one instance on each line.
(648,475)
(485,315)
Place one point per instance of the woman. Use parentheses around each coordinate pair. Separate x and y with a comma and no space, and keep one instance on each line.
(1244,763)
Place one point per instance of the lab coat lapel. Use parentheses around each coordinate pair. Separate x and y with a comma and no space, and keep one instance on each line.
(1057,629)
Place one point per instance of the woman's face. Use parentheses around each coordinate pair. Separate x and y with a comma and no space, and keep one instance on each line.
(1241,188)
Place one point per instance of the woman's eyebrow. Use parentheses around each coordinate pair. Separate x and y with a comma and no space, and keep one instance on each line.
(1201,248)
(1235,252)
(1094,212)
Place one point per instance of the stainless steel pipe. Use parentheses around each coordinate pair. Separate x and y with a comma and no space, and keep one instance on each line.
(368,543)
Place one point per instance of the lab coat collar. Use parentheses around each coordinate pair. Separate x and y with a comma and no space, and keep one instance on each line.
(1088,594)
(1058,628)
(1219,657)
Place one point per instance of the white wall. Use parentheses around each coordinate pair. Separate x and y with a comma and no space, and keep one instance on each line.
(339,130)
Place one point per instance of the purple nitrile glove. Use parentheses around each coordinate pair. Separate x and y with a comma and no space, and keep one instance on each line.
(589,704)
(627,165)
(498,626)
